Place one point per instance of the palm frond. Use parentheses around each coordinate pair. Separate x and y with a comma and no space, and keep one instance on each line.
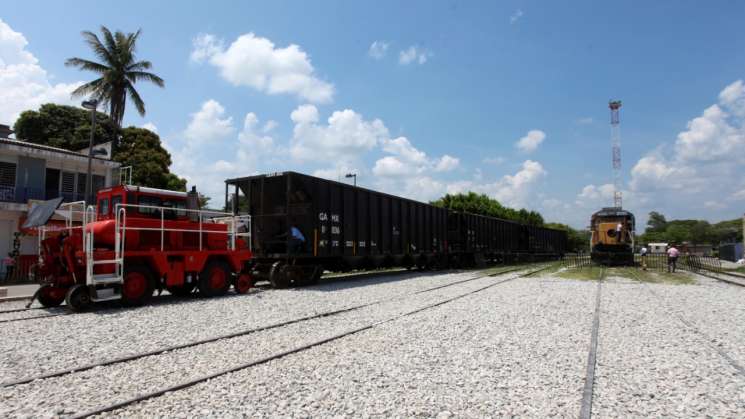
(92,40)
(109,39)
(84,64)
(139,65)
(87,88)
(135,76)
(139,104)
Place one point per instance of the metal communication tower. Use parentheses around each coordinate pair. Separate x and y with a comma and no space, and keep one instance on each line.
(615,136)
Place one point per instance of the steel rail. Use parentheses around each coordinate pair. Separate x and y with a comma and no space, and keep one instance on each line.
(588,389)
(736,365)
(132,357)
(283,354)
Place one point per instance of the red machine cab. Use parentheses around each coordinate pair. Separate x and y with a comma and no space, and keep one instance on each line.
(138,239)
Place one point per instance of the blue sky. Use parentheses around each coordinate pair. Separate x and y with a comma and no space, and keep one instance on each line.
(442,108)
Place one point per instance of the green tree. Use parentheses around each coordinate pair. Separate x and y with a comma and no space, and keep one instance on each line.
(62,126)
(119,71)
(483,205)
(656,222)
(577,240)
(141,149)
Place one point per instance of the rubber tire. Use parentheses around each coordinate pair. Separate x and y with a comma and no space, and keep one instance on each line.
(149,286)
(78,298)
(243,283)
(205,288)
(49,300)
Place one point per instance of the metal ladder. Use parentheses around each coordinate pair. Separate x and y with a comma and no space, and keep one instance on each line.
(106,279)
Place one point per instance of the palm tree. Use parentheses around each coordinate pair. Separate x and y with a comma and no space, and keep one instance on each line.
(119,71)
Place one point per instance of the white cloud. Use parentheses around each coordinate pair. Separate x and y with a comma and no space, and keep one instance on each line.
(343,139)
(251,139)
(413,54)
(23,82)
(531,141)
(269,126)
(391,166)
(255,62)
(209,124)
(733,97)
(378,50)
(402,147)
(150,127)
(511,190)
(697,176)
(516,16)
(585,121)
(447,163)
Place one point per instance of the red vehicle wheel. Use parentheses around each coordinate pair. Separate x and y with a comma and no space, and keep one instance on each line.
(243,283)
(51,296)
(138,285)
(214,280)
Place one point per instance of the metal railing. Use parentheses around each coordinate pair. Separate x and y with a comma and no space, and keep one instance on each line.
(234,223)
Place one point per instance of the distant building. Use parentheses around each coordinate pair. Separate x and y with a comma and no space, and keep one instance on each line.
(32,172)
(657,247)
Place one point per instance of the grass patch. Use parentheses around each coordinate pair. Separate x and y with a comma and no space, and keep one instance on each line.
(585,273)
(657,277)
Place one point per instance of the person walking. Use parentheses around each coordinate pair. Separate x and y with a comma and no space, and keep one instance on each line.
(643,252)
(10,266)
(672,258)
(297,240)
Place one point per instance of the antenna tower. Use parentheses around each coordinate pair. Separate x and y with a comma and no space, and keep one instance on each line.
(615,137)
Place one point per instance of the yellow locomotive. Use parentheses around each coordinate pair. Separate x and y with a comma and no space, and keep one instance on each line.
(612,240)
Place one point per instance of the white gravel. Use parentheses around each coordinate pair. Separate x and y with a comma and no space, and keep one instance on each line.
(32,347)
(515,349)
(104,385)
(651,365)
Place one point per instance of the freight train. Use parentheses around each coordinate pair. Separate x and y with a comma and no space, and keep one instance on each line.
(286,228)
(304,225)
(612,237)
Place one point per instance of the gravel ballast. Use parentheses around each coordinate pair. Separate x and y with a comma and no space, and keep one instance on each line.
(103,385)
(68,341)
(514,349)
(651,365)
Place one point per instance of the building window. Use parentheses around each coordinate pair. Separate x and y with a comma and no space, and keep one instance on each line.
(7,181)
(68,186)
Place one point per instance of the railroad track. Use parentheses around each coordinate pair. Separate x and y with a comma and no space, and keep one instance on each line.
(712,274)
(277,355)
(704,337)
(167,299)
(587,390)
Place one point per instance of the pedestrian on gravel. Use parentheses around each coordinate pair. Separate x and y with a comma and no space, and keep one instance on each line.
(672,258)
(643,252)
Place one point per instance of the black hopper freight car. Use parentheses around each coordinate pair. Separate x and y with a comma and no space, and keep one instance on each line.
(303,225)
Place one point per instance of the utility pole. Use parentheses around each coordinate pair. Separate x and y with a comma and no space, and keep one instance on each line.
(615,136)
(91,105)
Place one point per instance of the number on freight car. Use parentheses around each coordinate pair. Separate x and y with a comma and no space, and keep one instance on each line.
(361,244)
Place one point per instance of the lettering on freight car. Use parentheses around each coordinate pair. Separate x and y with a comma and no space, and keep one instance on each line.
(335,243)
(335,218)
(323,243)
(349,244)
(395,231)
(335,230)
(323,229)
(373,244)
(323,216)
(361,244)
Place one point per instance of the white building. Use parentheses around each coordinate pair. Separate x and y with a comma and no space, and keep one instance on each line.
(32,172)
